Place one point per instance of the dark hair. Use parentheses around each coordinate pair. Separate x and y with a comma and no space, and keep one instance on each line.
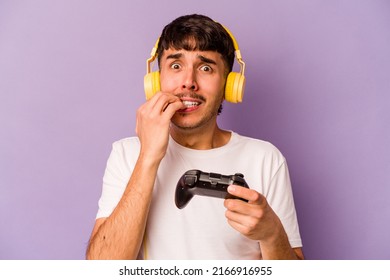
(197,32)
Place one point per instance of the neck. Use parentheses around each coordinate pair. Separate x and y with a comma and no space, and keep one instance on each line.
(200,139)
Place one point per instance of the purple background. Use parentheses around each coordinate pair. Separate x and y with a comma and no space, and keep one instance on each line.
(318,81)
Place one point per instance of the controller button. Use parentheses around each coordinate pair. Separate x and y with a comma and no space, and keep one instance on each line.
(190,180)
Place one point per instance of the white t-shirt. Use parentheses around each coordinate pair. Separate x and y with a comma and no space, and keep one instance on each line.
(200,230)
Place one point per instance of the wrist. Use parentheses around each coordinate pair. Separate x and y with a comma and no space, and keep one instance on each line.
(149,161)
(277,245)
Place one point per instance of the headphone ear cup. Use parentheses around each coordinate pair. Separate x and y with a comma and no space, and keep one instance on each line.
(234,88)
(151,84)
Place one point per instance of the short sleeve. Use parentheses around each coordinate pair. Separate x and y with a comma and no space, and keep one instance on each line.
(280,198)
(120,165)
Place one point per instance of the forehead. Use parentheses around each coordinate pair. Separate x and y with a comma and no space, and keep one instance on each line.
(194,55)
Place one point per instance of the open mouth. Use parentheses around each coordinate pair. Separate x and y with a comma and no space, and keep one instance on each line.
(190,105)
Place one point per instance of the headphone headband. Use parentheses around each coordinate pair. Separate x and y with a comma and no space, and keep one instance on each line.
(236,50)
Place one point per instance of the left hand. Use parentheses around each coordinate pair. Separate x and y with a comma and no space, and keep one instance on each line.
(255,219)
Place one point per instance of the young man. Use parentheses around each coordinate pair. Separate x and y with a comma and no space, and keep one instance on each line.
(177,131)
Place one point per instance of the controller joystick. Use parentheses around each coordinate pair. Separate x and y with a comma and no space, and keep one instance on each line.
(196,182)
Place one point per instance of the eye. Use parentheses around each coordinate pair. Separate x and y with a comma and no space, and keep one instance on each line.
(175,66)
(206,68)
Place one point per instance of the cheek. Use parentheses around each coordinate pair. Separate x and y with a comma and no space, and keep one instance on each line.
(165,84)
(169,83)
(220,87)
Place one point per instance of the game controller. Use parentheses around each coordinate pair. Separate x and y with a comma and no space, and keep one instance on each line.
(196,182)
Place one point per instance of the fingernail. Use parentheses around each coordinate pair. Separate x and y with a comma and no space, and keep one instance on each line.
(231,188)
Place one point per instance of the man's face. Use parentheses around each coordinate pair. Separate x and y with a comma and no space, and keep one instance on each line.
(198,79)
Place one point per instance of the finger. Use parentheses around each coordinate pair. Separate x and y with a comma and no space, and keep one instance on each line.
(250,195)
(153,101)
(237,226)
(168,100)
(157,100)
(241,223)
(165,101)
(242,209)
(156,106)
(173,107)
(234,216)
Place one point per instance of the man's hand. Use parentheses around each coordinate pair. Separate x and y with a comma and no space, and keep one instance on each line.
(255,218)
(153,121)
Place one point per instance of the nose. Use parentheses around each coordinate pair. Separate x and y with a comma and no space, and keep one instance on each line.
(189,80)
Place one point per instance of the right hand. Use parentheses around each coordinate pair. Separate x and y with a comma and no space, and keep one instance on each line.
(153,122)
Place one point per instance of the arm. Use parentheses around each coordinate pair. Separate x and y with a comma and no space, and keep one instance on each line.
(119,236)
(256,220)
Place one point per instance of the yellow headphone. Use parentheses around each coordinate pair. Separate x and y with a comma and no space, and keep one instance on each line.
(235,83)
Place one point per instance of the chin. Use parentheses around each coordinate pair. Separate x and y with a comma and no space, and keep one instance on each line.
(186,124)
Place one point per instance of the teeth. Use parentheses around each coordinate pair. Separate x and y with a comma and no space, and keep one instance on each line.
(189,104)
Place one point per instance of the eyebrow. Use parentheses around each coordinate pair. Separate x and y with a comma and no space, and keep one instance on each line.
(201,57)
(174,56)
(207,60)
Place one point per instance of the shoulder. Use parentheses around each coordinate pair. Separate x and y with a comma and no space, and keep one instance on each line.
(255,144)
(129,143)
(124,152)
